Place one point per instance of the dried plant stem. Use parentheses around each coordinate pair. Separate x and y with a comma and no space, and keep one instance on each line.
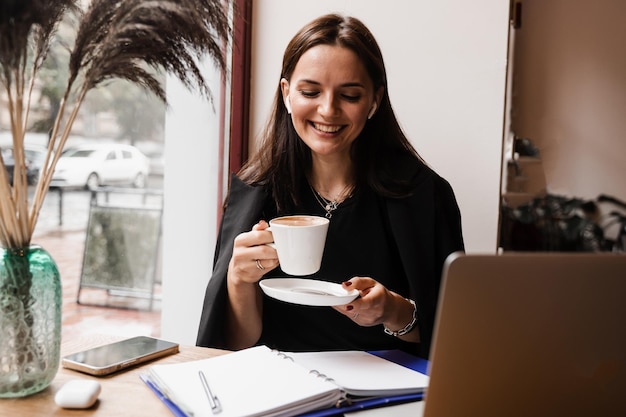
(114,39)
(7,208)
(7,211)
(48,171)
(15,207)
(29,95)
(20,184)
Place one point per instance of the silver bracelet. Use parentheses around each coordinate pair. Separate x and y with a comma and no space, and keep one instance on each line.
(406,328)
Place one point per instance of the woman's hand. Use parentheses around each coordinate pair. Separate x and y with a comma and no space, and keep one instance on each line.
(252,258)
(378,305)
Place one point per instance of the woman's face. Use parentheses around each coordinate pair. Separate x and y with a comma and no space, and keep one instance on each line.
(330,95)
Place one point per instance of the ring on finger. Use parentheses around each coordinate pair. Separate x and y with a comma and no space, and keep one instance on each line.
(258,265)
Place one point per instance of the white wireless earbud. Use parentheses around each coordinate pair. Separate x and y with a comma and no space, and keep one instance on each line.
(288,105)
(369,116)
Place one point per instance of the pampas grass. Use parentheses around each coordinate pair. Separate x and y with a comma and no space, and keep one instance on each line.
(115,39)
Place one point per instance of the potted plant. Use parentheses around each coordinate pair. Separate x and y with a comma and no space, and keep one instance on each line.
(114,39)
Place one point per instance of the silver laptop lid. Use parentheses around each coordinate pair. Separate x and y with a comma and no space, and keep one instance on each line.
(520,334)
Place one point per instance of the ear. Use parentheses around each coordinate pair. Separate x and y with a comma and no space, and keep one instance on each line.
(377,98)
(284,86)
(371,113)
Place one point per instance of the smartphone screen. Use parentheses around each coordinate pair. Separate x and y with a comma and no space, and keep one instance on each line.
(113,357)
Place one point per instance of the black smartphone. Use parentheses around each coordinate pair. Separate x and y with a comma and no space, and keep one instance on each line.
(112,357)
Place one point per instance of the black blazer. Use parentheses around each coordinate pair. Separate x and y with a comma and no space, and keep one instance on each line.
(426,227)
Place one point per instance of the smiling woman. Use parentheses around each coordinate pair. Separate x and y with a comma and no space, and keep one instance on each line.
(333,147)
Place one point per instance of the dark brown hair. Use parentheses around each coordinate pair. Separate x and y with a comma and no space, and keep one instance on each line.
(283,160)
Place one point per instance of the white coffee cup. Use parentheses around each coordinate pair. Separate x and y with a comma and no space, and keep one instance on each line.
(299,241)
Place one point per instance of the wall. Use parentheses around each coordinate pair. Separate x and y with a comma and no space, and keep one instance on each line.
(190,210)
(570,93)
(446,63)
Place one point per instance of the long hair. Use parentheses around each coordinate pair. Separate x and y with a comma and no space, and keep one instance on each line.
(283,159)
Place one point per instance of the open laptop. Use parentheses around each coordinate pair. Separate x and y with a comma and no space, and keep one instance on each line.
(521,334)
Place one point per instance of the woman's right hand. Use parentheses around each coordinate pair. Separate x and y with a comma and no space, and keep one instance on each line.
(252,257)
(244,295)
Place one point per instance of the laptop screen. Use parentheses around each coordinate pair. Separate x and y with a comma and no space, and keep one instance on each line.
(530,334)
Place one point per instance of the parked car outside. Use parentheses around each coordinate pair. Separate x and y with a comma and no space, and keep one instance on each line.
(95,165)
(35,157)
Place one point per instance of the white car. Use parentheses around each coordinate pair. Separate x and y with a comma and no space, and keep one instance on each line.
(92,166)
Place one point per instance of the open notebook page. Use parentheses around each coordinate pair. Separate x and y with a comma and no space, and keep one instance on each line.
(249,382)
(363,374)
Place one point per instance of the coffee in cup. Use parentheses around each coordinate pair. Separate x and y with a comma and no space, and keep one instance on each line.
(299,241)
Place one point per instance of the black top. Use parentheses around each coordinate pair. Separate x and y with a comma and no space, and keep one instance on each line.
(420,230)
(359,243)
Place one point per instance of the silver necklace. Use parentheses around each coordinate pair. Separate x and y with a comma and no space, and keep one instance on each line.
(330,205)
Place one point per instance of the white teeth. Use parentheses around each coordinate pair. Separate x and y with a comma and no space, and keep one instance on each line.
(327,129)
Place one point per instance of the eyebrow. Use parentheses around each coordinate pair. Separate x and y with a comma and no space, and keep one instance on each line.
(350,84)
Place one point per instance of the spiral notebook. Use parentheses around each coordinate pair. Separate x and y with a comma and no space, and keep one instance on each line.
(259,381)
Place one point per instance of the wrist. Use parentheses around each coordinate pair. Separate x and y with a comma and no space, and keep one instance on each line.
(237,282)
(410,325)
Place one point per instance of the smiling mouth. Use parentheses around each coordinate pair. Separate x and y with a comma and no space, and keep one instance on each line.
(327,128)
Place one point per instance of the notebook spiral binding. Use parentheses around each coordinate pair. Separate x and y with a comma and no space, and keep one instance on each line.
(282,355)
(342,402)
(321,375)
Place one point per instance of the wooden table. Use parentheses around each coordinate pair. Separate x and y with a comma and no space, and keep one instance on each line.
(123,393)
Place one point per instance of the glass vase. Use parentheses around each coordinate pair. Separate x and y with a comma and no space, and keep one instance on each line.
(30,320)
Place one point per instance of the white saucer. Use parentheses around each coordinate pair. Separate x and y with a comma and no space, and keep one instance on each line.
(308,292)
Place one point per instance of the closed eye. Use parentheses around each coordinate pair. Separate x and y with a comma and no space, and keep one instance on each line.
(352,98)
(313,94)
(310,94)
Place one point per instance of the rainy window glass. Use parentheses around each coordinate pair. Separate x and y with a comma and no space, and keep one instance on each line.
(112,163)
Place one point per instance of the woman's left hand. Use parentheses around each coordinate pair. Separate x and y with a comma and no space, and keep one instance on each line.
(378,305)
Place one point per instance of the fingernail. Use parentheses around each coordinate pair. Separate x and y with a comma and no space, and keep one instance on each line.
(347,283)
(349,308)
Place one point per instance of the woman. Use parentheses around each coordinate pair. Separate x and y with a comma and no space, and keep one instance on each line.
(333,147)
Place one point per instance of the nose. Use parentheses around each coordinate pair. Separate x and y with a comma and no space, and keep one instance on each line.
(328,105)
